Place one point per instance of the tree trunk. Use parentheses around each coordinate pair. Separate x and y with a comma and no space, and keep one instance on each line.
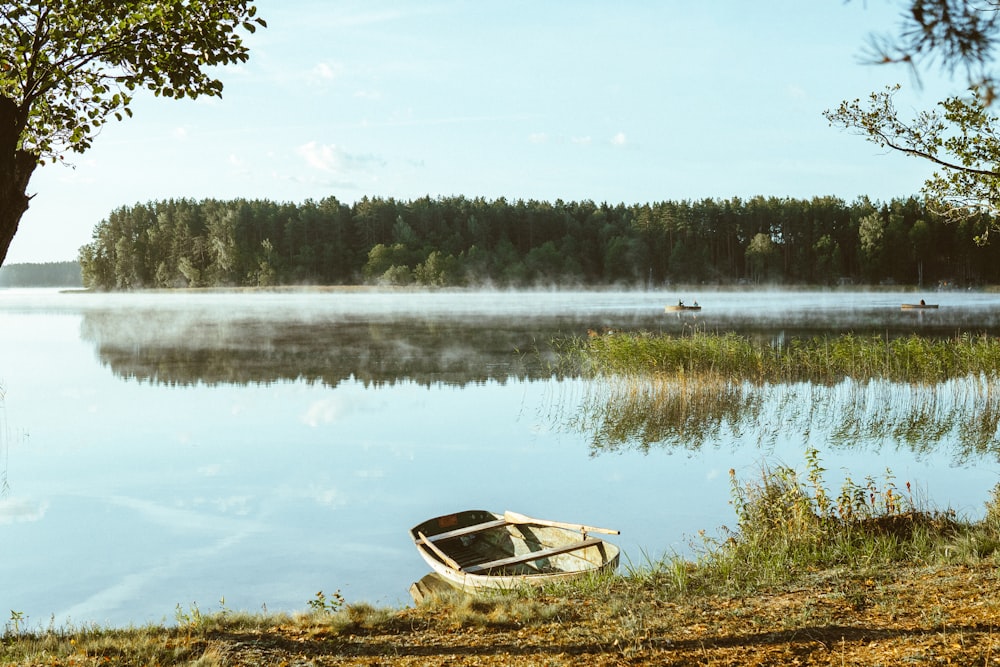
(16,167)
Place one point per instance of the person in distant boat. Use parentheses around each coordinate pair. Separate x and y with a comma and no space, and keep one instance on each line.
(696,304)
(923,303)
(680,302)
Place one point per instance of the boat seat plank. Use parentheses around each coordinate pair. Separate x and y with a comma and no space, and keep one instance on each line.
(467,556)
(534,555)
(468,530)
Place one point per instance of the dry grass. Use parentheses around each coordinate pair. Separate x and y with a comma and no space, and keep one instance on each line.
(917,615)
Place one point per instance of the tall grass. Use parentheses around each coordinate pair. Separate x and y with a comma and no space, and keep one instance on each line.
(790,525)
(685,391)
(824,359)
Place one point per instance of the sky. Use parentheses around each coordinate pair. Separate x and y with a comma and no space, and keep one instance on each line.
(621,102)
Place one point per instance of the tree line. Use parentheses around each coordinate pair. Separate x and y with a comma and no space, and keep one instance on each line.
(48,274)
(458,241)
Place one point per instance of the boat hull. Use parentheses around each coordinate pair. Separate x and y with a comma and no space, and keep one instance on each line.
(488,553)
(677,309)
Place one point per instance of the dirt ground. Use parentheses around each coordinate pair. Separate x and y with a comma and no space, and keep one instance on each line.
(909,617)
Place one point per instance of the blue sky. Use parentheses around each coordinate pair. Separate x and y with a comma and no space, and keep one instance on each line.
(619,102)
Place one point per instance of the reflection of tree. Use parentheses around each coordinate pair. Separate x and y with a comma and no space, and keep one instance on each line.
(678,412)
(176,347)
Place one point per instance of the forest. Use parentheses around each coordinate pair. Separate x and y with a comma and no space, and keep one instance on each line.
(48,274)
(457,241)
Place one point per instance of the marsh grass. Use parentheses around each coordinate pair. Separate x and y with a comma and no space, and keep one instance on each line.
(789,525)
(822,359)
(690,390)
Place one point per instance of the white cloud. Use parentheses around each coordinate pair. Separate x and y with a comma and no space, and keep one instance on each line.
(324,158)
(581,140)
(339,166)
(327,71)
(538,137)
(796,92)
(618,139)
(347,20)
(240,167)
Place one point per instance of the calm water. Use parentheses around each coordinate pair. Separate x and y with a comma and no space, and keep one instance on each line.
(180,449)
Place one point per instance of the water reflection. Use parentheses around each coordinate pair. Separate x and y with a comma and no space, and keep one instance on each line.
(261,447)
(164,348)
(455,339)
(960,416)
(472,339)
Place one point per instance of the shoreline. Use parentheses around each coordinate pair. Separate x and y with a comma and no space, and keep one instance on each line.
(888,616)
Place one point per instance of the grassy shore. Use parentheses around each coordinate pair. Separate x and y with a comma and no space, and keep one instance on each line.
(859,575)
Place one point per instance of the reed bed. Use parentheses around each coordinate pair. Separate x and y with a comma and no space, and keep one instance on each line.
(824,359)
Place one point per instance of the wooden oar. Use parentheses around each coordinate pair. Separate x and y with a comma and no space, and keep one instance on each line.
(448,560)
(514,517)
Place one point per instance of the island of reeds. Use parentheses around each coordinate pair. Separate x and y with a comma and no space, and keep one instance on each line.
(824,359)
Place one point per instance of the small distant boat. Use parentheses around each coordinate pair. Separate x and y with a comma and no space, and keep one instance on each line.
(918,306)
(680,307)
(474,550)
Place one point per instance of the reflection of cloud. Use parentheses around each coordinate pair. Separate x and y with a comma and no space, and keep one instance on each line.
(327,411)
(182,519)
(322,412)
(19,509)
(133,586)
(328,496)
(238,505)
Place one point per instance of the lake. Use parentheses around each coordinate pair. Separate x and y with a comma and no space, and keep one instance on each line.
(247,450)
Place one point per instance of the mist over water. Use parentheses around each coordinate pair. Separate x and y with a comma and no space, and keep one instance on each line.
(174,448)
